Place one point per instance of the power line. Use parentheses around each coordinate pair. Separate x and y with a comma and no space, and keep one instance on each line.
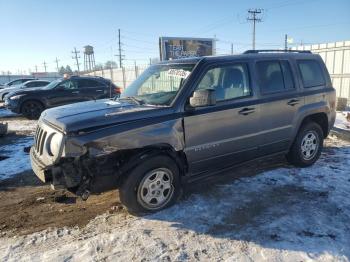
(253,16)
(76,57)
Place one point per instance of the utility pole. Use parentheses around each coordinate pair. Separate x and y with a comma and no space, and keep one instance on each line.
(45,66)
(36,69)
(253,16)
(120,50)
(76,57)
(231,48)
(286,42)
(57,64)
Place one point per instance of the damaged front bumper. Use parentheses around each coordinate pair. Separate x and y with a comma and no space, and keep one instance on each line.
(79,175)
(42,172)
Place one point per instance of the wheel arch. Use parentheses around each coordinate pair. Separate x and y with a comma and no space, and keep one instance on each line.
(3,96)
(141,154)
(320,118)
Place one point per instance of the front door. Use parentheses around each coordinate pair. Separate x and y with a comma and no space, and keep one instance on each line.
(228,132)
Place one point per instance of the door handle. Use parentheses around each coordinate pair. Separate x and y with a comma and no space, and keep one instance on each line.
(293,102)
(75,92)
(246,111)
(99,90)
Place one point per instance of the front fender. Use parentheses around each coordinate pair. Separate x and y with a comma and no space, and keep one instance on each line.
(131,136)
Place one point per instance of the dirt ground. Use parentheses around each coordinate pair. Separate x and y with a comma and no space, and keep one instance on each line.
(27,206)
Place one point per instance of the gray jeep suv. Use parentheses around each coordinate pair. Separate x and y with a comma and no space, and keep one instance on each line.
(183,120)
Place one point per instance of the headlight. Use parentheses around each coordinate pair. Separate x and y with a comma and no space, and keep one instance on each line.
(15,97)
(54,144)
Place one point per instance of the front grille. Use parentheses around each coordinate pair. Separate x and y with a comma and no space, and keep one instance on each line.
(40,136)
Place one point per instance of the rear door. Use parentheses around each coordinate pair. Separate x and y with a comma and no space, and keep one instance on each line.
(64,93)
(228,132)
(280,104)
(92,89)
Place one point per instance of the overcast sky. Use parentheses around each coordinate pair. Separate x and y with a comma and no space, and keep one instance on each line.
(34,31)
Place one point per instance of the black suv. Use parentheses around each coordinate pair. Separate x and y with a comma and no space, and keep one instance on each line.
(32,102)
(183,120)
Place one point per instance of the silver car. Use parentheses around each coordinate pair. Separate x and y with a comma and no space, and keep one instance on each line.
(28,84)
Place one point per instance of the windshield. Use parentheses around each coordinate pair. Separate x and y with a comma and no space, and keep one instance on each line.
(53,84)
(158,85)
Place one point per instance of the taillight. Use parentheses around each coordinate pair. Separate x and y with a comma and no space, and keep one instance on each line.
(118,90)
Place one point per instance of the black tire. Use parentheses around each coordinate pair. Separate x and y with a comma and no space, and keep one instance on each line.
(32,109)
(308,133)
(132,190)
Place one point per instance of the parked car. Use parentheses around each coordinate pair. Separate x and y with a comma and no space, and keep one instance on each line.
(16,82)
(25,85)
(32,102)
(183,120)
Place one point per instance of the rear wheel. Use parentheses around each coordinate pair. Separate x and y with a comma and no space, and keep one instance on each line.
(307,146)
(32,109)
(151,186)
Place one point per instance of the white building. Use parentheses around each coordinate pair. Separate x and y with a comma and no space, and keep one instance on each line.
(337,58)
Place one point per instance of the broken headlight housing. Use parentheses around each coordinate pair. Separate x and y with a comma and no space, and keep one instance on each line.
(54,145)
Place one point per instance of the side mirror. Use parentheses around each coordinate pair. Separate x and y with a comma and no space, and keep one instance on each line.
(204,97)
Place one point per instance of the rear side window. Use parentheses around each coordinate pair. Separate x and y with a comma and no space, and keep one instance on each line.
(274,76)
(84,83)
(42,84)
(311,73)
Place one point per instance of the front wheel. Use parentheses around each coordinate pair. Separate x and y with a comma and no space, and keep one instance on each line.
(151,186)
(32,109)
(307,145)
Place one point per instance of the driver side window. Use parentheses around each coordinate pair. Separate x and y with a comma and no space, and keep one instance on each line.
(229,82)
(69,85)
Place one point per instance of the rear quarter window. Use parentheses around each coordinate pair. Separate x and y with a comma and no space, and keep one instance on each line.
(311,73)
(89,83)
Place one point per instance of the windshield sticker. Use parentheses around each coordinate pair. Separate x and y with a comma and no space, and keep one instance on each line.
(178,73)
(112,103)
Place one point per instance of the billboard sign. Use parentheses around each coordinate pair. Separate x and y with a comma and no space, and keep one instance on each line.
(183,47)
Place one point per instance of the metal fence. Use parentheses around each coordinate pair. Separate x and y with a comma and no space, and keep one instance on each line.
(121,77)
(7,78)
(337,59)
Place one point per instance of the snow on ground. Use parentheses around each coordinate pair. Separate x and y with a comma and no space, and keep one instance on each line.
(21,126)
(6,113)
(341,120)
(287,214)
(17,123)
(17,161)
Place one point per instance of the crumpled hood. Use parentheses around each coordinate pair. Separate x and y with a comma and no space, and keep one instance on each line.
(95,114)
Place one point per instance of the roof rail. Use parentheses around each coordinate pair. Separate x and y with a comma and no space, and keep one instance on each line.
(276,51)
